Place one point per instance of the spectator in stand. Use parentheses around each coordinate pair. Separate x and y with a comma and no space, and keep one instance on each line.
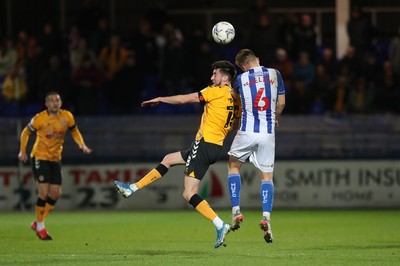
(388,92)
(129,84)
(394,51)
(8,62)
(88,17)
(87,79)
(164,40)
(251,19)
(258,8)
(287,25)
(195,40)
(55,77)
(301,97)
(372,69)
(21,47)
(169,29)
(285,65)
(263,38)
(323,81)
(49,42)
(147,52)
(360,98)
(157,15)
(351,64)
(304,70)
(203,58)
(305,37)
(337,96)
(34,67)
(329,61)
(72,39)
(76,55)
(8,87)
(8,57)
(175,64)
(99,37)
(360,31)
(112,58)
(320,93)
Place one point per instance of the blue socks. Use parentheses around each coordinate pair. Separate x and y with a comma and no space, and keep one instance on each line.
(234,185)
(266,192)
(267,195)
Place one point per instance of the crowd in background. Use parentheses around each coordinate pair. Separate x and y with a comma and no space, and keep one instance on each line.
(99,71)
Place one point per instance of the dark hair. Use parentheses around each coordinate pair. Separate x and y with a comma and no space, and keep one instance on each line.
(52,93)
(226,68)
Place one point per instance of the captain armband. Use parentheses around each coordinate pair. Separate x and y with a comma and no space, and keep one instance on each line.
(31,128)
(201,97)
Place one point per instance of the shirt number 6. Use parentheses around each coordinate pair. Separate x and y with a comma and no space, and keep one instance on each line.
(264,99)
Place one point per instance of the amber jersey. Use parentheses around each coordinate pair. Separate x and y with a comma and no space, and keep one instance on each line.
(220,109)
(50,133)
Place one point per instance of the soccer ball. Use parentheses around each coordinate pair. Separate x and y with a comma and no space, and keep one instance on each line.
(223,32)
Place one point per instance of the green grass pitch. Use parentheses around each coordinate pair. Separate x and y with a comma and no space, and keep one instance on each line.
(186,238)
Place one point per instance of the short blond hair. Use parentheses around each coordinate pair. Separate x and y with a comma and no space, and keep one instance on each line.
(244,57)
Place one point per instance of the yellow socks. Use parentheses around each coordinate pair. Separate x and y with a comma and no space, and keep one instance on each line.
(202,207)
(205,209)
(152,176)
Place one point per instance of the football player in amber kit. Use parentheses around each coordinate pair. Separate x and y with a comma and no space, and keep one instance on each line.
(220,106)
(50,127)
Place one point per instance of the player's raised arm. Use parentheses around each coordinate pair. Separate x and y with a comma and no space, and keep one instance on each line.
(176,99)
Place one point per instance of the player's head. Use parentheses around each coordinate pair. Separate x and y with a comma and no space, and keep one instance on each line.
(223,72)
(246,59)
(53,102)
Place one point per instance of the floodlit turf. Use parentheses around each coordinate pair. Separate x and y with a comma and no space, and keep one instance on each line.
(187,238)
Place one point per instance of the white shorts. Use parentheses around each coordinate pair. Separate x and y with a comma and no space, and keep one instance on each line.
(258,148)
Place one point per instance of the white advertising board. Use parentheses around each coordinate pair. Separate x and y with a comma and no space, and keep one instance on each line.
(298,184)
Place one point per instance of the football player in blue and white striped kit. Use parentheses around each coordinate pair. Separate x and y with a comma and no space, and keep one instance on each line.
(262,94)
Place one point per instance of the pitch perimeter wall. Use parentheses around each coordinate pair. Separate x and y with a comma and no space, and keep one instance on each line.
(340,184)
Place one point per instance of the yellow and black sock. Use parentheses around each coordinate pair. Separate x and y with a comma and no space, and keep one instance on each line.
(153,175)
(202,206)
(50,203)
(40,210)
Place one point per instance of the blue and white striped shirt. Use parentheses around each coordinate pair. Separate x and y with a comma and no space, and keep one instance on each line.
(259,88)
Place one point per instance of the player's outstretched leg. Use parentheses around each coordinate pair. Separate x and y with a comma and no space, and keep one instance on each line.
(265,225)
(221,233)
(123,188)
(237,219)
